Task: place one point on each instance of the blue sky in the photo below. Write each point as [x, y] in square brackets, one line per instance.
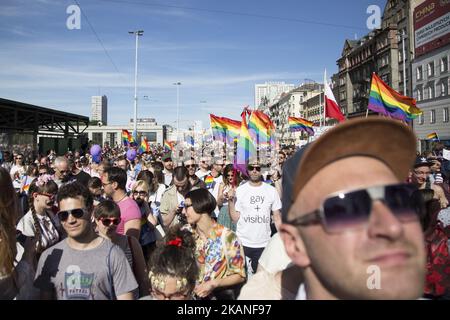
[218, 56]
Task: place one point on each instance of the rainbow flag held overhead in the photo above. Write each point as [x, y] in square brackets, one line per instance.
[300, 124]
[168, 145]
[144, 147]
[433, 137]
[127, 138]
[245, 147]
[385, 100]
[218, 128]
[261, 128]
[233, 129]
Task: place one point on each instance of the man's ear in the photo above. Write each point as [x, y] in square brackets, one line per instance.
[294, 245]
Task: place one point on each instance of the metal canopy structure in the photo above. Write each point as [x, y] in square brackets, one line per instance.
[19, 117]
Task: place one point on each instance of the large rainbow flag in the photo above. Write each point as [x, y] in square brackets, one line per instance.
[300, 124]
[144, 147]
[218, 128]
[127, 138]
[385, 100]
[245, 147]
[261, 128]
[233, 129]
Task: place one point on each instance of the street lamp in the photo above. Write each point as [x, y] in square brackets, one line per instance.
[178, 84]
[137, 34]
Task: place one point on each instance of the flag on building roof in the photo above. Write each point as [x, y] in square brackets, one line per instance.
[300, 124]
[332, 109]
[261, 128]
[385, 100]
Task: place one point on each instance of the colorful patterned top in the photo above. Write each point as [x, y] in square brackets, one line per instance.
[221, 255]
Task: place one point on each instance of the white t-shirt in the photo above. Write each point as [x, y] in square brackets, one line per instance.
[201, 174]
[255, 205]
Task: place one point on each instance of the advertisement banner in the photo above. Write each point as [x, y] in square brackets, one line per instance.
[431, 25]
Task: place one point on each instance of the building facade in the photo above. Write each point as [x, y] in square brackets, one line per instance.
[431, 76]
[267, 92]
[112, 134]
[99, 109]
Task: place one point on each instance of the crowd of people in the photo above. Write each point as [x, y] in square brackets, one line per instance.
[307, 224]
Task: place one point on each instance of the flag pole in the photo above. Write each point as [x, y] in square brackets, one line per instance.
[324, 99]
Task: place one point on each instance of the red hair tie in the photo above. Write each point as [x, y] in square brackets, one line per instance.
[176, 242]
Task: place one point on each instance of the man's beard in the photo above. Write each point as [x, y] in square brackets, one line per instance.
[140, 202]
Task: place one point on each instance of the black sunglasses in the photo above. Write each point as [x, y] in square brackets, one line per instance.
[76, 213]
[251, 168]
[191, 165]
[350, 210]
[107, 221]
[140, 193]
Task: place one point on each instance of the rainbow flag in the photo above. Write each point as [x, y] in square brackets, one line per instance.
[218, 128]
[261, 128]
[144, 146]
[168, 145]
[127, 138]
[233, 129]
[300, 124]
[209, 180]
[385, 100]
[433, 137]
[245, 147]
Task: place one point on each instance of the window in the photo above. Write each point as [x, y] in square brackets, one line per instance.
[443, 88]
[421, 119]
[432, 116]
[445, 110]
[431, 92]
[444, 64]
[419, 94]
[430, 69]
[419, 73]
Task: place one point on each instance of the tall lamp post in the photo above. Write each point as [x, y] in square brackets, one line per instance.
[137, 34]
[178, 84]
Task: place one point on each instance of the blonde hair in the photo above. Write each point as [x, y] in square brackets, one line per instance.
[141, 183]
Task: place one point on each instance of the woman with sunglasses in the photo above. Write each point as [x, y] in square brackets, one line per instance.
[228, 184]
[173, 267]
[140, 194]
[40, 220]
[107, 218]
[219, 252]
[18, 169]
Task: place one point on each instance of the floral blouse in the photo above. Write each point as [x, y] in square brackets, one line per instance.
[221, 255]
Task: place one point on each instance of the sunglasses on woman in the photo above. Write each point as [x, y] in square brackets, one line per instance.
[76, 213]
[108, 221]
[343, 211]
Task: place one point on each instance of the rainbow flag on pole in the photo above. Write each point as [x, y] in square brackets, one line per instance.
[300, 124]
[168, 145]
[127, 138]
[218, 128]
[385, 100]
[261, 128]
[433, 137]
[144, 147]
[245, 147]
[233, 129]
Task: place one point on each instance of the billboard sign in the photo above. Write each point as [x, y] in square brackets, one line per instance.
[431, 25]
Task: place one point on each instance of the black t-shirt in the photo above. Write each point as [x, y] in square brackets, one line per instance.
[81, 177]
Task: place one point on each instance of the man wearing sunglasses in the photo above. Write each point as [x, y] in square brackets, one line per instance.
[348, 219]
[252, 209]
[195, 181]
[84, 266]
[204, 168]
[168, 168]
